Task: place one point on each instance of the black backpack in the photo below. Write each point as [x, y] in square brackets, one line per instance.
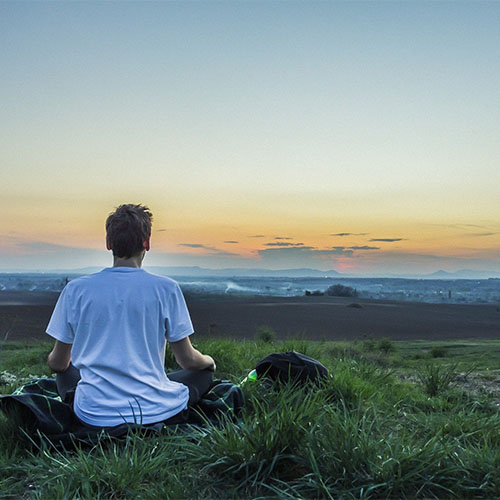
[291, 366]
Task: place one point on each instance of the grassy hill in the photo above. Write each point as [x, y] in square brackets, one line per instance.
[394, 420]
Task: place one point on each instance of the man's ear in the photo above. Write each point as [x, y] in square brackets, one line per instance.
[108, 246]
[147, 244]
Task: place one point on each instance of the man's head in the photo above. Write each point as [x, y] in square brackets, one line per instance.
[128, 230]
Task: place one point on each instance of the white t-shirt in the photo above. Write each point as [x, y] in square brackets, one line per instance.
[118, 321]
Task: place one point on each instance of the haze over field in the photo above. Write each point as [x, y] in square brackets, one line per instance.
[359, 137]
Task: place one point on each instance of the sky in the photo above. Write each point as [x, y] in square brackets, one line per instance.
[356, 136]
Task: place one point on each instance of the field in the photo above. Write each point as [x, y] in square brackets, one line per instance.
[394, 420]
[24, 315]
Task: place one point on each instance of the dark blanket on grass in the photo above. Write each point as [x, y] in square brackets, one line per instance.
[42, 415]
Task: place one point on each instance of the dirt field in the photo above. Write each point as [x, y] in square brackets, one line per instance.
[24, 316]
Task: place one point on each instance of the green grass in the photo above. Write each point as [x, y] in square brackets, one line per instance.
[392, 421]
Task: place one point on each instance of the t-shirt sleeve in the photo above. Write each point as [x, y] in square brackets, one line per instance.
[59, 325]
[177, 322]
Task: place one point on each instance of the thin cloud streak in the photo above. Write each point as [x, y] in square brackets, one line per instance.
[365, 247]
[479, 235]
[211, 250]
[388, 240]
[459, 226]
[306, 251]
[348, 234]
[195, 245]
[283, 244]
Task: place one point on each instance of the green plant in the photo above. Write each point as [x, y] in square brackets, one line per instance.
[385, 345]
[436, 378]
[266, 334]
[369, 344]
[437, 352]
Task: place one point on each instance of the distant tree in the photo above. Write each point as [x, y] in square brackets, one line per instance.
[341, 291]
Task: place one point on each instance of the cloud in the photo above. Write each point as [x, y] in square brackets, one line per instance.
[489, 230]
[283, 244]
[212, 260]
[365, 247]
[195, 245]
[211, 250]
[474, 226]
[231, 241]
[257, 236]
[160, 230]
[388, 240]
[282, 238]
[478, 235]
[17, 253]
[348, 234]
[44, 248]
[302, 256]
[223, 253]
[460, 226]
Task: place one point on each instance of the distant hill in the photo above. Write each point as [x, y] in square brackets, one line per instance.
[196, 271]
[202, 272]
[462, 274]
[231, 272]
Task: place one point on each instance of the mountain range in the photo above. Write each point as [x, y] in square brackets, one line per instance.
[196, 271]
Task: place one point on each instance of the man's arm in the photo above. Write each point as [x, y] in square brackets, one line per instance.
[60, 356]
[190, 358]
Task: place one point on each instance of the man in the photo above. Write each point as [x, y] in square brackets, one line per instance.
[111, 330]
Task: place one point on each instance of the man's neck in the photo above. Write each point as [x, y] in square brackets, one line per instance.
[134, 261]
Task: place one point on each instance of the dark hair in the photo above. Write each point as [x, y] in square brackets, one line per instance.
[127, 228]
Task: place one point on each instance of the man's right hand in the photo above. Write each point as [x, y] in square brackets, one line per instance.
[190, 358]
[212, 367]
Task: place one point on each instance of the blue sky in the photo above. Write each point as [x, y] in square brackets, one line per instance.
[230, 119]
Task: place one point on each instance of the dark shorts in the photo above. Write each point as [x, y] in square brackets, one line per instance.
[198, 383]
